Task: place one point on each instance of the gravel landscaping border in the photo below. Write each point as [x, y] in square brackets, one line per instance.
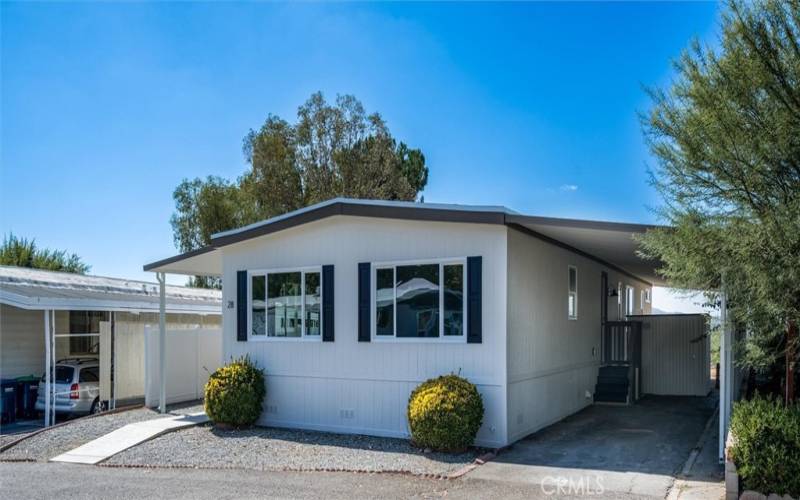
[295, 450]
[46, 443]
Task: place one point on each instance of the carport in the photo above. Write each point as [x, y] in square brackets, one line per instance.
[47, 316]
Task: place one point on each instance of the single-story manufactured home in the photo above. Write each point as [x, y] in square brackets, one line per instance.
[349, 304]
[47, 317]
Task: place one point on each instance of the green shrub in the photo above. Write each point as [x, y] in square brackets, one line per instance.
[766, 448]
[234, 393]
[445, 413]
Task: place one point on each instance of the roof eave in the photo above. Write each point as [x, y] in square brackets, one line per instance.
[74, 304]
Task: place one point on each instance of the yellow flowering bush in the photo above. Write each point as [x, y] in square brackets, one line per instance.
[445, 413]
[234, 393]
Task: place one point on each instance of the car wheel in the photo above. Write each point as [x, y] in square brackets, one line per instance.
[96, 407]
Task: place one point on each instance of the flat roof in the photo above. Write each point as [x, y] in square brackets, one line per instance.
[39, 289]
[610, 243]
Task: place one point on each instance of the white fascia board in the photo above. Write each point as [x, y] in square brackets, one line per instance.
[37, 303]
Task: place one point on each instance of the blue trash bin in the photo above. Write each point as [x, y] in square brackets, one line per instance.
[27, 392]
[8, 401]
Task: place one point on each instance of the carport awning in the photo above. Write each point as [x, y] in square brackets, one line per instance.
[609, 242]
[35, 289]
[612, 242]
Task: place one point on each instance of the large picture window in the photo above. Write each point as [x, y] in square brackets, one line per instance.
[286, 304]
[420, 300]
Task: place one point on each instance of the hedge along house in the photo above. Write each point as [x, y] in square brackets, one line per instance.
[48, 316]
[350, 304]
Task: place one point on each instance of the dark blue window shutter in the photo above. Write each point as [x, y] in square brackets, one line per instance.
[474, 301]
[327, 303]
[363, 302]
[241, 306]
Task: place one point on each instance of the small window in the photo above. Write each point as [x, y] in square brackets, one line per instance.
[572, 293]
[647, 295]
[63, 374]
[630, 295]
[89, 375]
[85, 328]
[641, 300]
[286, 304]
[420, 300]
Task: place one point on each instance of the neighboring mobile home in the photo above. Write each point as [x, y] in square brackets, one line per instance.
[83, 316]
[350, 304]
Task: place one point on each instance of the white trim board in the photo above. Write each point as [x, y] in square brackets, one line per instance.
[38, 304]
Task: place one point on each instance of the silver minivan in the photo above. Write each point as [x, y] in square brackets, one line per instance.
[77, 387]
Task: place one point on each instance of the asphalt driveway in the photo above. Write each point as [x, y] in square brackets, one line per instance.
[610, 450]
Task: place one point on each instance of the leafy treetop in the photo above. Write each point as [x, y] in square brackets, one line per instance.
[22, 252]
[726, 135]
[331, 150]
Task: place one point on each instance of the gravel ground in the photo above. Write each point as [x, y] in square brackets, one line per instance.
[267, 448]
[58, 440]
[7, 438]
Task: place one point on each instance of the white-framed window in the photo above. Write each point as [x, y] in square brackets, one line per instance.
[646, 296]
[285, 304]
[572, 292]
[641, 301]
[420, 301]
[630, 298]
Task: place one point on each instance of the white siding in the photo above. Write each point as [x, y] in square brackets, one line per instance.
[675, 355]
[310, 383]
[552, 360]
[21, 342]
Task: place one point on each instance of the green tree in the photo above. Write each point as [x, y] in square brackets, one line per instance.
[332, 150]
[205, 207]
[726, 135]
[22, 252]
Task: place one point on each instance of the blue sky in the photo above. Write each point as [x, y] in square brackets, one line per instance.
[106, 107]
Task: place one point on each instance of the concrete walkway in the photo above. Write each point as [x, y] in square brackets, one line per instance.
[126, 437]
[706, 479]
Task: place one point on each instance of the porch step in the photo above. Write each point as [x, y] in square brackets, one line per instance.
[612, 380]
[600, 397]
[612, 385]
[611, 389]
[611, 393]
[614, 371]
